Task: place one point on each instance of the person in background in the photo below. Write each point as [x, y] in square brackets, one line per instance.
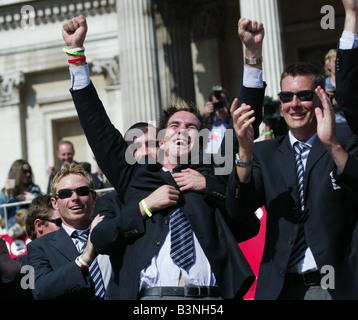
[100, 180]
[330, 84]
[19, 187]
[42, 218]
[216, 117]
[65, 153]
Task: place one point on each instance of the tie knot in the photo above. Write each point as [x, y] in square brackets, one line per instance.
[300, 147]
[83, 236]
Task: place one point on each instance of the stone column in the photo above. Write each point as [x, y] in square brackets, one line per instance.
[138, 62]
[174, 50]
[268, 12]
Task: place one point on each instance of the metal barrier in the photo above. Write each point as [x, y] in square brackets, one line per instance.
[14, 204]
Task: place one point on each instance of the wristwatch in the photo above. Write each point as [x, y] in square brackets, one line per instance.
[253, 61]
[240, 163]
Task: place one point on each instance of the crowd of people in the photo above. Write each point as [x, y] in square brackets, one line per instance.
[171, 227]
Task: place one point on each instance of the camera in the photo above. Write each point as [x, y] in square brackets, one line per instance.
[218, 104]
[271, 108]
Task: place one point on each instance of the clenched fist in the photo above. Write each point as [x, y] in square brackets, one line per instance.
[74, 32]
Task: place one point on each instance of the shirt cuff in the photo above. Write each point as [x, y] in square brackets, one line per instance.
[252, 78]
[348, 40]
[80, 77]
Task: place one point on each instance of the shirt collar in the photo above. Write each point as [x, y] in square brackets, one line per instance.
[309, 142]
[69, 230]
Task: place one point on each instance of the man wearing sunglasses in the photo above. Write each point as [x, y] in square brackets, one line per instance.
[65, 262]
[306, 180]
[42, 217]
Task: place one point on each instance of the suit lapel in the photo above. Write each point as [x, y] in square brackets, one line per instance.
[63, 243]
[316, 153]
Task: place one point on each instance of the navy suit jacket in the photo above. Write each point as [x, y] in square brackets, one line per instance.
[57, 276]
[208, 218]
[347, 85]
[331, 204]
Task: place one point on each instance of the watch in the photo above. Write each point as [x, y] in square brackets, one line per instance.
[240, 163]
[253, 61]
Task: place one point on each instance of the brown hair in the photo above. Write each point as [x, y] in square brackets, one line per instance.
[176, 107]
[40, 207]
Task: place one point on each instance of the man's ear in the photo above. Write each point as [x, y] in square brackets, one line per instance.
[161, 143]
[39, 226]
[54, 203]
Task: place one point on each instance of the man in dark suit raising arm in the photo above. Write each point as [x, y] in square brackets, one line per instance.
[306, 180]
[151, 266]
[347, 66]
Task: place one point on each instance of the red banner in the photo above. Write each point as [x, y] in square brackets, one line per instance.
[15, 246]
[253, 249]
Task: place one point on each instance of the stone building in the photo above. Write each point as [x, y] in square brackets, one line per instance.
[143, 54]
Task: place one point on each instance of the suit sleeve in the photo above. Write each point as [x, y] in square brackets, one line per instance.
[255, 98]
[121, 224]
[347, 85]
[106, 142]
[242, 201]
[67, 281]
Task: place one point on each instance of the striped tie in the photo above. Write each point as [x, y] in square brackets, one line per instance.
[94, 269]
[182, 244]
[299, 247]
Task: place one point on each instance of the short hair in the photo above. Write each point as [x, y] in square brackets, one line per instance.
[40, 207]
[176, 107]
[68, 169]
[66, 142]
[304, 69]
[141, 128]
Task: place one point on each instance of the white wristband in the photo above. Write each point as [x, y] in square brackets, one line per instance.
[81, 263]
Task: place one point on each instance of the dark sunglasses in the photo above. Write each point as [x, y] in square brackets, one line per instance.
[67, 193]
[305, 95]
[56, 221]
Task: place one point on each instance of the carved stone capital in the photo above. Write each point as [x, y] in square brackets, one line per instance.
[109, 68]
[10, 86]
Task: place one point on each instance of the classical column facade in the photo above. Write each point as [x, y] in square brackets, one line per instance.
[268, 12]
[138, 61]
[173, 27]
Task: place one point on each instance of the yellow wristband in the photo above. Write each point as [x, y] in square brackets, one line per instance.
[147, 210]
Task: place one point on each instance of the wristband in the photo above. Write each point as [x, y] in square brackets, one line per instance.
[83, 265]
[75, 52]
[268, 132]
[77, 59]
[147, 210]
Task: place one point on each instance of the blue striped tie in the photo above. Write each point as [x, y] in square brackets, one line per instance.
[94, 270]
[182, 244]
[299, 246]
